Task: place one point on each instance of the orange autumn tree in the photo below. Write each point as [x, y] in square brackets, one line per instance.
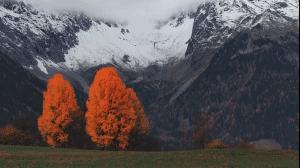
[60, 111]
[114, 111]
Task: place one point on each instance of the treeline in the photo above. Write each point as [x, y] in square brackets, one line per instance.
[115, 118]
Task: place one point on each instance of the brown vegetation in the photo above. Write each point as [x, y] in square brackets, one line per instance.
[245, 145]
[10, 135]
[216, 144]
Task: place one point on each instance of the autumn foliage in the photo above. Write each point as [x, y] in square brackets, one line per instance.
[60, 111]
[10, 135]
[114, 112]
[216, 144]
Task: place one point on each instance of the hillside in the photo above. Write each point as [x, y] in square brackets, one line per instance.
[21, 90]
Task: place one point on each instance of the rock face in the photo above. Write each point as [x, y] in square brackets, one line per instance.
[218, 21]
[234, 63]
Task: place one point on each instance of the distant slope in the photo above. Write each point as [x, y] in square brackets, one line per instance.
[250, 90]
[241, 69]
[20, 91]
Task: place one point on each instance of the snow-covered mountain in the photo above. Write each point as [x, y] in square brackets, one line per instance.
[73, 41]
[235, 61]
[218, 21]
[36, 39]
[70, 41]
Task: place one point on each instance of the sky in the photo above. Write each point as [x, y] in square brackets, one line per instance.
[138, 13]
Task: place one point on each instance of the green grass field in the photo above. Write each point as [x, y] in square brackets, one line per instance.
[40, 157]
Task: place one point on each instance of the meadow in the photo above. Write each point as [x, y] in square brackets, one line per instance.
[44, 157]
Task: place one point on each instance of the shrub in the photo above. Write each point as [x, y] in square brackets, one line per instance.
[216, 144]
[244, 145]
[10, 135]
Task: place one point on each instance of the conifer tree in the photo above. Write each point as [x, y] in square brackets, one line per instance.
[114, 111]
[60, 112]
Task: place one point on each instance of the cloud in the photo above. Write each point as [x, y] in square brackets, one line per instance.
[139, 13]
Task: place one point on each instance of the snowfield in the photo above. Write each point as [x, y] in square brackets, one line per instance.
[103, 44]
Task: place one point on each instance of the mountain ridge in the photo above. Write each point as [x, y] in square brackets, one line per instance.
[193, 66]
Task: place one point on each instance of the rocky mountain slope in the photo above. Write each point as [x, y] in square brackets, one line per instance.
[20, 91]
[253, 78]
[33, 38]
[241, 68]
[233, 61]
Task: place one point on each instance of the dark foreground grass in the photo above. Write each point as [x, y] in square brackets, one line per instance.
[41, 157]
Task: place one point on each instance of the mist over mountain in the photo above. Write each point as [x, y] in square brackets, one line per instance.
[235, 62]
[141, 14]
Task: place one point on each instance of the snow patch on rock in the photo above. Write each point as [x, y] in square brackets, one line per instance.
[41, 66]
